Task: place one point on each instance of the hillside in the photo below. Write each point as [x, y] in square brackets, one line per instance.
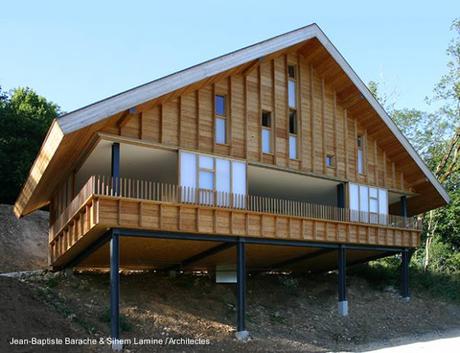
[23, 242]
[284, 314]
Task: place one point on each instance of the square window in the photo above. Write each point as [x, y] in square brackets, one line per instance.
[330, 161]
[206, 180]
[220, 105]
[221, 130]
[292, 122]
[266, 119]
[291, 71]
[206, 162]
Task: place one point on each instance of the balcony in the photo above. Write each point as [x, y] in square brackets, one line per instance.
[104, 202]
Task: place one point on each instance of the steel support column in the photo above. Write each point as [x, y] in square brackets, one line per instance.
[115, 291]
[405, 259]
[115, 169]
[342, 288]
[341, 195]
[241, 332]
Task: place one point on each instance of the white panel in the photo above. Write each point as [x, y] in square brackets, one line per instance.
[363, 198]
[373, 192]
[188, 169]
[206, 162]
[363, 203]
[360, 162]
[353, 196]
[206, 180]
[239, 177]
[222, 175]
[374, 205]
[291, 93]
[266, 137]
[221, 131]
[292, 147]
[383, 201]
[223, 181]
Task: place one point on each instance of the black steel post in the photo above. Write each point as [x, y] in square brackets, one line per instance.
[404, 212]
[241, 286]
[115, 169]
[342, 288]
[341, 195]
[405, 259]
[115, 286]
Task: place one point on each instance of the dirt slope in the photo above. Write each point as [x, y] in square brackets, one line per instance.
[23, 242]
[284, 313]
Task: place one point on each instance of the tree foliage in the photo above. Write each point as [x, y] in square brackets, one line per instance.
[24, 119]
[436, 136]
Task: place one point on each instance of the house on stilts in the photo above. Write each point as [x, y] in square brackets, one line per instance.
[275, 156]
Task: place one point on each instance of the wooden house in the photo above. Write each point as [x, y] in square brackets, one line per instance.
[273, 157]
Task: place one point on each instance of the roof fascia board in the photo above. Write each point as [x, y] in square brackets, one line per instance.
[95, 112]
[103, 109]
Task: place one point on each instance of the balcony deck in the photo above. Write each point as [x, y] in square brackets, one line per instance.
[105, 203]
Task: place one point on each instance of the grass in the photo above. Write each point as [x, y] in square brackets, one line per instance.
[383, 273]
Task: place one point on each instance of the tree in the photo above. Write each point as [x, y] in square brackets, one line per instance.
[445, 158]
[24, 119]
[436, 137]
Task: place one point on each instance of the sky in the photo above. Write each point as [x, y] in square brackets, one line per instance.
[76, 53]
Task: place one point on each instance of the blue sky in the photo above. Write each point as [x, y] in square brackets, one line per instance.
[75, 53]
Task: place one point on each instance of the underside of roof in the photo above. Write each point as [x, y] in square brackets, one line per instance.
[70, 133]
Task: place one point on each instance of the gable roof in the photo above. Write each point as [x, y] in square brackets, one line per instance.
[99, 111]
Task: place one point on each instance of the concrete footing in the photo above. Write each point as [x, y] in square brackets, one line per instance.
[343, 308]
[117, 346]
[242, 336]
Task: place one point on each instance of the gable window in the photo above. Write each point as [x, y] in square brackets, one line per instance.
[330, 161]
[220, 119]
[360, 142]
[292, 103]
[266, 132]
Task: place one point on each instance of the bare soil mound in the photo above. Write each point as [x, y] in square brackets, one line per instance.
[23, 242]
[23, 314]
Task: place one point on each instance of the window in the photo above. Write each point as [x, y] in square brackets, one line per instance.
[292, 103]
[266, 132]
[330, 161]
[293, 122]
[368, 204]
[220, 105]
[360, 166]
[220, 120]
[212, 179]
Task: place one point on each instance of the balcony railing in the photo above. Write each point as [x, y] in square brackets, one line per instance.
[163, 192]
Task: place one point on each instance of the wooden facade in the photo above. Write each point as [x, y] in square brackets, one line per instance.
[326, 127]
[178, 113]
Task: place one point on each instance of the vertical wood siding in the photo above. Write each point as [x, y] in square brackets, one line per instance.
[325, 126]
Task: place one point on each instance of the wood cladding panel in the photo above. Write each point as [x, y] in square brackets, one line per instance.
[108, 212]
[325, 124]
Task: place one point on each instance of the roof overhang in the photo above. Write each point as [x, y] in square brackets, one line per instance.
[69, 126]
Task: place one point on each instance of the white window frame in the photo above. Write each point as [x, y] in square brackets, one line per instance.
[363, 212]
[293, 139]
[222, 118]
[266, 130]
[204, 193]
